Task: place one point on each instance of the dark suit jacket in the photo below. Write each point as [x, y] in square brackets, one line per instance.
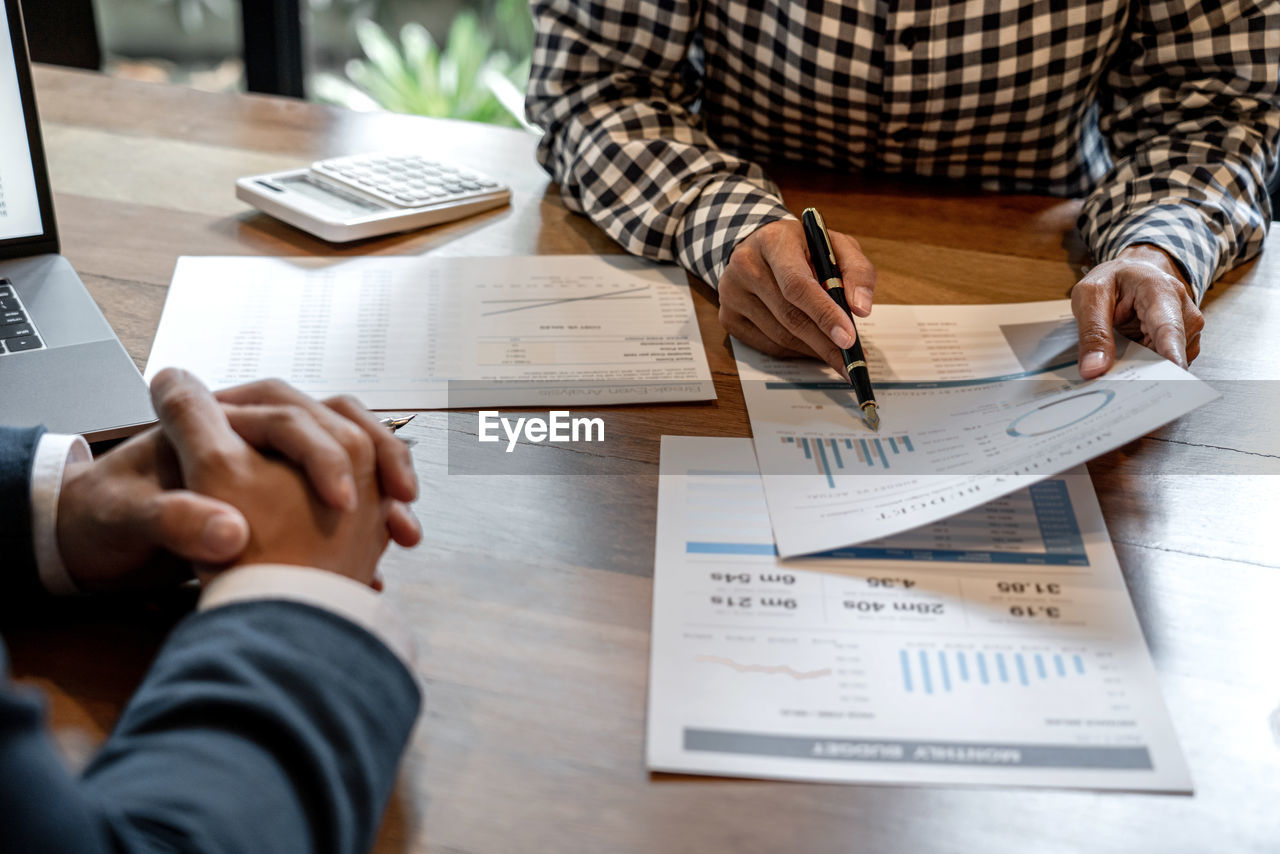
[261, 727]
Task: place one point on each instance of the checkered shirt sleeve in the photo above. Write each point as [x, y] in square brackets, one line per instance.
[1191, 112]
[614, 86]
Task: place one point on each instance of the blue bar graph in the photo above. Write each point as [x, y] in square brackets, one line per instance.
[931, 671]
[858, 454]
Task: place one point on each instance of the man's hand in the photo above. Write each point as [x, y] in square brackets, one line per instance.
[273, 414]
[1142, 293]
[125, 520]
[288, 522]
[770, 298]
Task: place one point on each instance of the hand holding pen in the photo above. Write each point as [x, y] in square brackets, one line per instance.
[823, 255]
[770, 299]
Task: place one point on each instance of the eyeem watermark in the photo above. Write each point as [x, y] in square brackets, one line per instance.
[559, 426]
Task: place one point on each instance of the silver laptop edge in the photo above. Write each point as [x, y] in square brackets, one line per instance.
[80, 380]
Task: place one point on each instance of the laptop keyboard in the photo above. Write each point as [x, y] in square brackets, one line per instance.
[17, 332]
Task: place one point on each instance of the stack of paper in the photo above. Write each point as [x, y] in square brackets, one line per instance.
[961, 617]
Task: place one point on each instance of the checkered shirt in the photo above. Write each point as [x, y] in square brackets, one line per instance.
[1164, 114]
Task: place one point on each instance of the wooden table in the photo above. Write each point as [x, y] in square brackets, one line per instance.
[534, 633]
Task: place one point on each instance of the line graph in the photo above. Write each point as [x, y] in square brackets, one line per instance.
[783, 669]
[542, 302]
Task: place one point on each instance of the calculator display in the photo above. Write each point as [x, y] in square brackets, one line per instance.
[331, 196]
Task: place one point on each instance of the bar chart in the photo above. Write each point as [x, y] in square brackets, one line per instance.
[942, 671]
[848, 455]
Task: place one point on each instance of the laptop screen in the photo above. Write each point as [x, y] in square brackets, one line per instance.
[19, 206]
[26, 207]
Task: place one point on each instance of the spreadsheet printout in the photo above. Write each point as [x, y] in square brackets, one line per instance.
[434, 333]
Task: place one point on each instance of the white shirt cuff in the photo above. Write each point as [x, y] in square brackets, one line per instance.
[53, 452]
[334, 593]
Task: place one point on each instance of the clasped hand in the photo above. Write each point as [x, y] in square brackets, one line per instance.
[256, 474]
[770, 299]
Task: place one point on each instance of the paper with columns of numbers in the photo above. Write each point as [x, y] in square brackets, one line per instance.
[976, 401]
[997, 647]
[432, 333]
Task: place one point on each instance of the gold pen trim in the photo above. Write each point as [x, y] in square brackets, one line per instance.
[826, 238]
[849, 367]
[833, 284]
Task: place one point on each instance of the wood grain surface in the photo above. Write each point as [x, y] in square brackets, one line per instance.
[530, 597]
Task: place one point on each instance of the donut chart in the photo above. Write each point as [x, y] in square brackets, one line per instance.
[1060, 414]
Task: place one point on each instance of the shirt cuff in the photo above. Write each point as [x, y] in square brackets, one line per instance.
[1175, 229]
[328, 591]
[726, 212]
[53, 452]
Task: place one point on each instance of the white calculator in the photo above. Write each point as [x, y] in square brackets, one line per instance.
[367, 195]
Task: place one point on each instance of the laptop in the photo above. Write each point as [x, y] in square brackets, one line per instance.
[61, 364]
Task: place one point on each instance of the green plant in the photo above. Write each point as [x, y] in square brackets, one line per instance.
[471, 78]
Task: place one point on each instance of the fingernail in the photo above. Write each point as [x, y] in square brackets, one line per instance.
[223, 535]
[841, 337]
[1092, 362]
[862, 302]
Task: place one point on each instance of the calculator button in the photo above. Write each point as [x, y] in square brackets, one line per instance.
[8, 303]
[17, 331]
[9, 318]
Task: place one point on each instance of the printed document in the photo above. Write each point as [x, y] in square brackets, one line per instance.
[434, 333]
[975, 402]
[999, 647]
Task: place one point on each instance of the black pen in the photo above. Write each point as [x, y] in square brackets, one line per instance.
[824, 264]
